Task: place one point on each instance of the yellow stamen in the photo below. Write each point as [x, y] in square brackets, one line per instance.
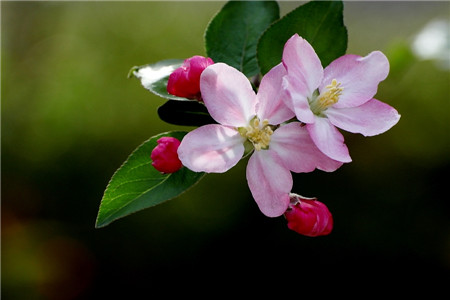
[327, 98]
[258, 134]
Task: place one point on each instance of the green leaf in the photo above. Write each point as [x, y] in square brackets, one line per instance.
[185, 113]
[319, 22]
[154, 77]
[232, 35]
[137, 184]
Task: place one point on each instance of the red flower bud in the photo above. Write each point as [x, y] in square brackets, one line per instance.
[185, 81]
[308, 216]
[165, 157]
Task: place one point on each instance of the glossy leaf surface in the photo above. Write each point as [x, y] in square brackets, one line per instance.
[154, 77]
[137, 185]
[232, 35]
[319, 22]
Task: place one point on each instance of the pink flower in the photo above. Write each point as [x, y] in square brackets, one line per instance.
[250, 121]
[341, 95]
[308, 216]
[185, 81]
[164, 155]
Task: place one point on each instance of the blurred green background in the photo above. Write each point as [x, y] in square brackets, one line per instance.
[70, 117]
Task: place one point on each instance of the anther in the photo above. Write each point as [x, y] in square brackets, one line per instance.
[258, 135]
[327, 98]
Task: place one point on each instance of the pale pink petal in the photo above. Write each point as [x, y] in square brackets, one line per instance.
[371, 118]
[270, 104]
[297, 100]
[304, 75]
[228, 95]
[328, 139]
[270, 182]
[359, 76]
[302, 64]
[298, 152]
[211, 148]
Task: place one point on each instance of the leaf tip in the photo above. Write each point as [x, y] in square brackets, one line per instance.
[99, 223]
[131, 72]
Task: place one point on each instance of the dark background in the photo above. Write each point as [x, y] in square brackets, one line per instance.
[70, 117]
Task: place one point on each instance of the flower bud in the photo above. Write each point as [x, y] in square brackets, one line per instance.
[308, 216]
[164, 155]
[185, 81]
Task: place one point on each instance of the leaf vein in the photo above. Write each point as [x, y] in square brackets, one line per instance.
[322, 21]
[138, 166]
[244, 46]
[128, 202]
[131, 181]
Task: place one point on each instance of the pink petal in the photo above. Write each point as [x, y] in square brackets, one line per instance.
[228, 95]
[304, 75]
[270, 97]
[371, 118]
[328, 139]
[297, 101]
[270, 182]
[302, 64]
[211, 148]
[359, 76]
[298, 152]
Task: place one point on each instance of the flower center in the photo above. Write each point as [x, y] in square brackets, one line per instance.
[327, 98]
[257, 133]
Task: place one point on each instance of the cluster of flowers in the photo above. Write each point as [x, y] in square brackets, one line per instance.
[290, 124]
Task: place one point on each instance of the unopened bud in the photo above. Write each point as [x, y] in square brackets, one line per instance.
[185, 81]
[308, 216]
[164, 155]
